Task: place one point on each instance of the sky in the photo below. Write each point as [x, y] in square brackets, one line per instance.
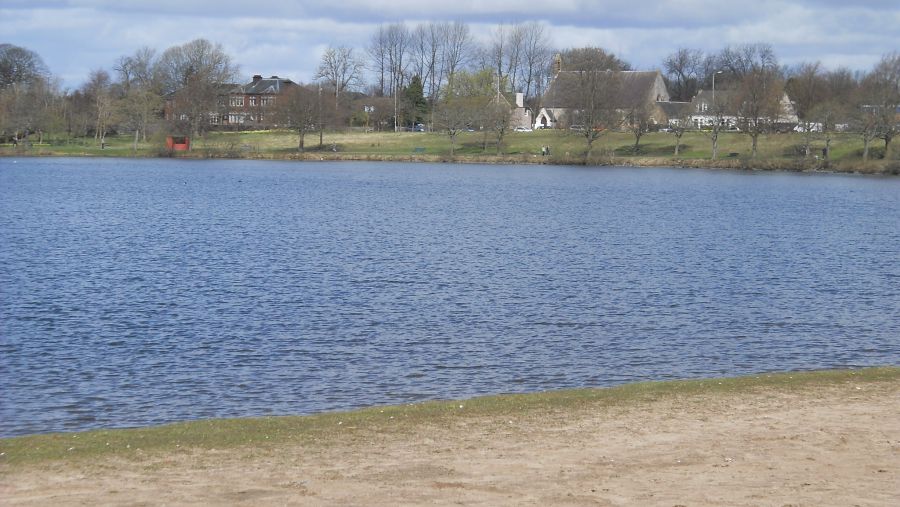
[287, 38]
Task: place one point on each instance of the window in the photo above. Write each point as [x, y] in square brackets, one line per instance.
[237, 101]
[252, 101]
[267, 101]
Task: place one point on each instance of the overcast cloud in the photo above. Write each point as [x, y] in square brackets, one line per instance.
[287, 38]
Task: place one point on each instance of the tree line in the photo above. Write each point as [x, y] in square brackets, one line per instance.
[434, 73]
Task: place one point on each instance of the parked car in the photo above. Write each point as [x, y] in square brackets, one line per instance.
[579, 128]
[522, 129]
[418, 127]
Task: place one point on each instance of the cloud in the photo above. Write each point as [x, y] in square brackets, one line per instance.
[287, 38]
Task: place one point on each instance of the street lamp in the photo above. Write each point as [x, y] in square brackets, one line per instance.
[714, 85]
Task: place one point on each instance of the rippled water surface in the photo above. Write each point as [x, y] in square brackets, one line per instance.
[141, 292]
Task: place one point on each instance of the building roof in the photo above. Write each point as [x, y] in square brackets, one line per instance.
[264, 86]
[636, 86]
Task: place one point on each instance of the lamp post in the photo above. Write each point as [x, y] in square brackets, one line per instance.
[714, 86]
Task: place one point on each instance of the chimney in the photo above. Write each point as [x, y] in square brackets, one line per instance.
[257, 78]
[520, 99]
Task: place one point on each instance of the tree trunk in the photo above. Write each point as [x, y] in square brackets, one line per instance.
[753, 144]
[300, 147]
[637, 141]
[677, 145]
[137, 133]
[887, 145]
[866, 149]
[715, 147]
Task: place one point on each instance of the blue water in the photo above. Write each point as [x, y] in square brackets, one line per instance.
[137, 292]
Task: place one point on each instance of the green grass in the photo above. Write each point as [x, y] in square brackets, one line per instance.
[329, 428]
[695, 145]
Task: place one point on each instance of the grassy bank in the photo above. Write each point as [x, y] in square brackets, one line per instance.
[332, 428]
[777, 151]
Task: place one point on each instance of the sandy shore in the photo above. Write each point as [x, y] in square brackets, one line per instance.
[819, 445]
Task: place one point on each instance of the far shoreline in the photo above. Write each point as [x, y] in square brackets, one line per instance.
[800, 166]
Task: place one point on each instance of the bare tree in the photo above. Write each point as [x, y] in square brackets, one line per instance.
[593, 95]
[679, 124]
[535, 55]
[141, 101]
[637, 121]
[760, 88]
[741, 60]
[457, 48]
[99, 89]
[455, 114]
[506, 51]
[882, 87]
[806, 88]
[684, 70]
[193, 76]
[25, 108]
[833, 113]
[298, 109]
[378, 50]
[341, 70]
[758, 103]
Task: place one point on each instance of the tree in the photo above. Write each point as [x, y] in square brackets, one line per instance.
[390, 50]
[193, 76]
[684, 70]
[833, 113]
[298, 109]
[20, 65]
[758, 103]
[806, 88]
[341, 70]
[591, 59]
[741, 60]
[535, 55]
[457, 48]
[592, 96]
[25, 108]
[757, 97]
[455, 114]
[637, 121]
[99, 89]
[462, 103]
[679, 124]
[415, 107]
[496, 117]
[141, 102]
[882, 87]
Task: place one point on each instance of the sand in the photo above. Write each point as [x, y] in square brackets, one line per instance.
[827, 445]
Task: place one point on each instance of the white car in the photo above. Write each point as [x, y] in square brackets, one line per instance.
[522, 129]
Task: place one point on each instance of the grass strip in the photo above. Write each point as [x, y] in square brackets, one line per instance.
[335, 427]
